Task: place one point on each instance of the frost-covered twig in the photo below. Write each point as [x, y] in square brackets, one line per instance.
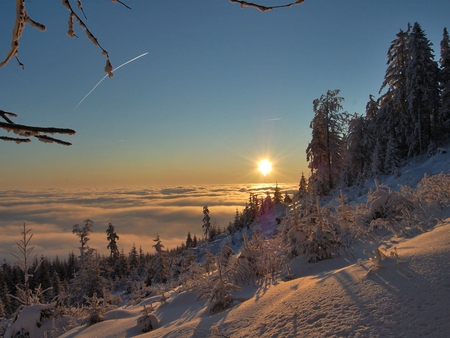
[71, 33]
[265, 8]
[22, 19]
[28, 131]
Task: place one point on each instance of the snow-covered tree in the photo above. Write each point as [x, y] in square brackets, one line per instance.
[159, 271]
[324, 152]
[25, 295]
[88, 280]
[206, 221]
[392, 117]
[83, 233]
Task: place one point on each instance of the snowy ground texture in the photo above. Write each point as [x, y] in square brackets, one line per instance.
[336, 298]
[407, 296]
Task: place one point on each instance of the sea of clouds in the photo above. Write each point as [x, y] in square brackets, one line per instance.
[138, 215]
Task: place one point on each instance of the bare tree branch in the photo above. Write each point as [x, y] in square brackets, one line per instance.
[17, 140]
[48, 139]
[120, 2]
[265, 8]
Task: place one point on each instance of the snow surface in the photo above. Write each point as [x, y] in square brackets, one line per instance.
[334, 298]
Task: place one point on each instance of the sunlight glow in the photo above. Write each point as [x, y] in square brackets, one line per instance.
[265, 167]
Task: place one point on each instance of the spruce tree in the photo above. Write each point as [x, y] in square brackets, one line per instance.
[206, 221]
[392, 117]
[133, 258]
[302, 187]
[443, 119]
[324, 152]
[277, 197]
[112, 238]
[422, 92]
[83, 233]
[189, 240]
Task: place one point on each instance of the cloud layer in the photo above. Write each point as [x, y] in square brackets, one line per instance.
[137, 215]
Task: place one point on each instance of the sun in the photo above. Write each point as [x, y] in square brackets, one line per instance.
[265, 167]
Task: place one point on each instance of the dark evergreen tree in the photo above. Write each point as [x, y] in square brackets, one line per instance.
[57, 287]
[392, 118]
[422, 89]
[189, 241]
[302, 187]
[133, 258]
[287, 198]
[2, 309]
[122, 268]
[112, 238]
[443, 119]
[277, 197]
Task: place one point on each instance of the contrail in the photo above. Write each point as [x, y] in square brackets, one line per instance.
[123, 64]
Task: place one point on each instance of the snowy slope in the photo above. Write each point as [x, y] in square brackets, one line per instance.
[409, 298]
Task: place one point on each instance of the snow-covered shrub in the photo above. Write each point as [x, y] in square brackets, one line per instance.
[226, 252]
[388, 210]
[32, 321]
[259, 258]
[96, 308]
[315, 234]
[217, 287]
[378, 255]
[148, 321]
[220, 295]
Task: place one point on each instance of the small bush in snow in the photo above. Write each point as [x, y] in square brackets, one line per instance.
[148, 320]
[31, 321]
[96, 308]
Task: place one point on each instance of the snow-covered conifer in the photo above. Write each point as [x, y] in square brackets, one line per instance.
[159, 271]
[422, 92]
[392, 117]
[206, 221]
[324, 152]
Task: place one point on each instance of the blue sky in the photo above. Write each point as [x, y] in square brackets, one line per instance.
[221, 87]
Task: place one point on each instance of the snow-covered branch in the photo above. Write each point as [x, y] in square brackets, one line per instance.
[22, 18]
[27, 131]
[71, 32]
[265, 8]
